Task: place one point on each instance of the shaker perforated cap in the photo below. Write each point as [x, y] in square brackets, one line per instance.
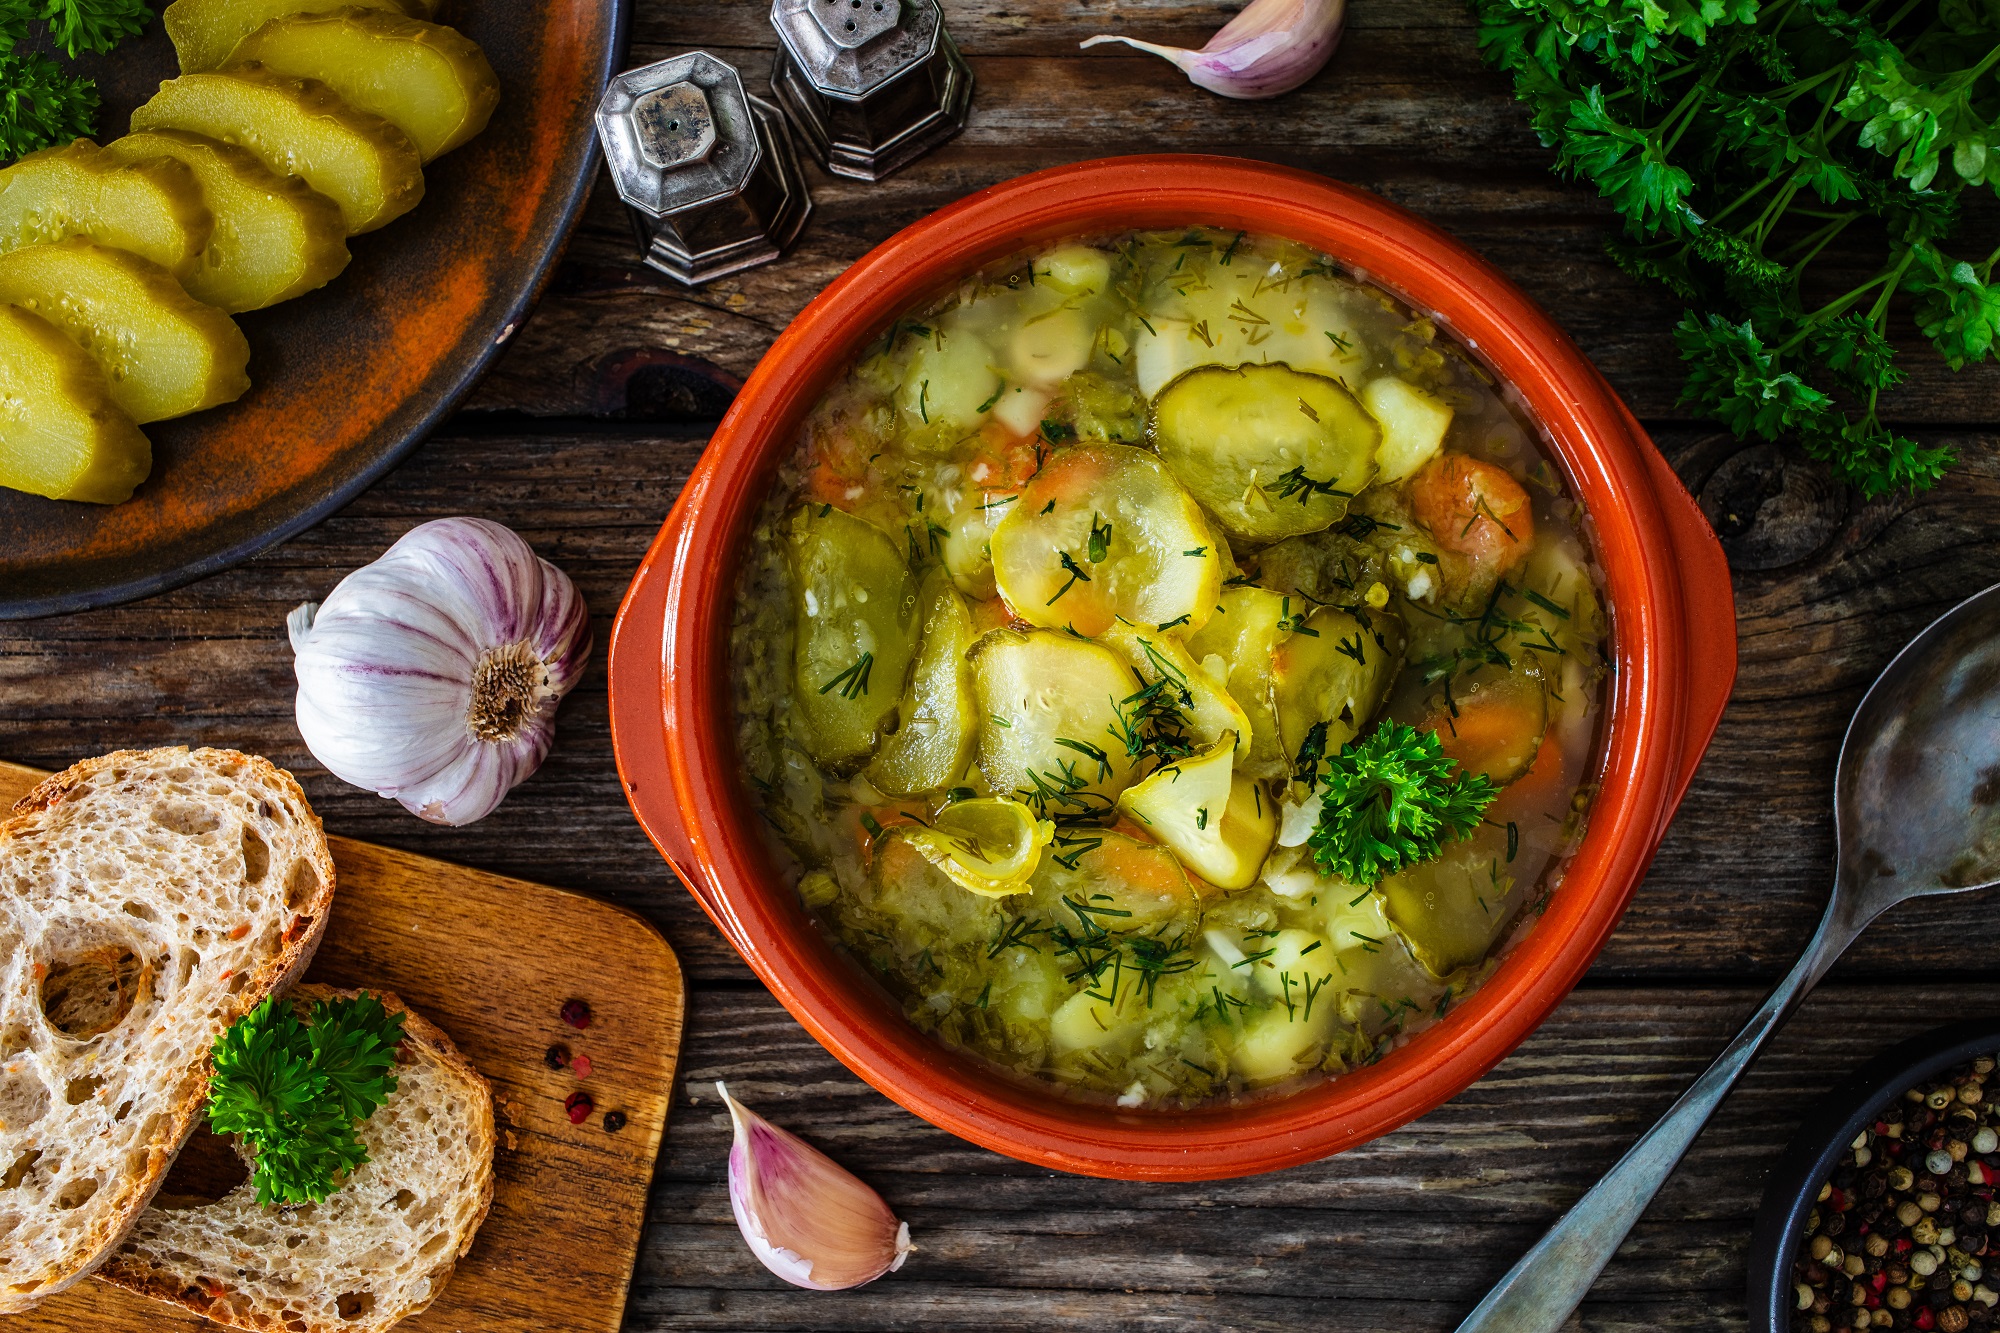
[870, 84]
[707, 171]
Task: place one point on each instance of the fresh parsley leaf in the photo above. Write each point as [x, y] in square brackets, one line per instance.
[1739, 140]
[40, 105]
[295, 1090]
[1392, 801]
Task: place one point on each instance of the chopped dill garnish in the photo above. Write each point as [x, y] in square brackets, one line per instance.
[1068, 562]
[1100, 539]
[853, 682]
[1295, 482]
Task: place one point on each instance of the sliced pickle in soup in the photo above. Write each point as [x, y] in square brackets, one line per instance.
[855, 611]
[989, 844]
[1413, 425]
[922, 908]
[1494, 720]
[1049, 720]
[1334, 669]
[1234, 315]
[1244, 634]
[1271, 452]
[1451, 911]
[1160, 660]
[932, 743]
[1104, 531]
[1096, 881]
[1220, 823]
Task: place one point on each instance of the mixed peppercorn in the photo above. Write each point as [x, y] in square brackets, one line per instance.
[1899, 1235]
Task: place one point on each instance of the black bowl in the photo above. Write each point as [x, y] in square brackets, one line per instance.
[1825, 1136]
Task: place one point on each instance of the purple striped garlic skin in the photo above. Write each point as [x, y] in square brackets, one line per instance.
[804, 1216]
[1269, 48]
[432, 676]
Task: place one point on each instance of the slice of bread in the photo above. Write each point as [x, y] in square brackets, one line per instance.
[147, 899]
[377, 1250]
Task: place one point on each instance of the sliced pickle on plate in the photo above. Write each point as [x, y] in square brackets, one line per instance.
[164, 353]
[1050, 725]
[61, 435]
[429, 81]
[1166, 668]
[1451, 911]
[1244, 634]
[298, 127]
[153, 208]
[855, 615]
[1104, 531]
[1270, 451]
[204, 32]
[275, 236]
[989, 844]
[1333, 669]
[932, 743]
[1220, 823]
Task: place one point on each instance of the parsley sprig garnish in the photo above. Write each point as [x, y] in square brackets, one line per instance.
[1391, 801]
[40, 102]
[1740, 140]
[295, 1090]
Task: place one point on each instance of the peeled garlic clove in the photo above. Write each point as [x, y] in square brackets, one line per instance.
[1271, 47]
[806, 1219]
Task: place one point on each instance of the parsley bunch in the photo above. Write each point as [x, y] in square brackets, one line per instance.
[41, 103]
[295, 1090]
[1739, 139]
[1390, 802]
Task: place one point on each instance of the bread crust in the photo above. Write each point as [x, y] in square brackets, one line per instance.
[184, 1103]
[419, 1034]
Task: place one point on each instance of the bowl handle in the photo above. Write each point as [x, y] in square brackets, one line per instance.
[639, 645]
[1708, 611]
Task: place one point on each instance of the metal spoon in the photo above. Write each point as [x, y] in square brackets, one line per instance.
[1916, 813]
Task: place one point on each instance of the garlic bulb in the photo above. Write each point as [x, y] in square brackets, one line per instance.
[806, 1219]
[1271, 47]
[432, 676]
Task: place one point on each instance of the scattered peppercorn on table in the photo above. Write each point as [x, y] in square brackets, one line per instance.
[579, 439]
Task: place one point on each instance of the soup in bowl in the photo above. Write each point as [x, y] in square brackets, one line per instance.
[971, 506]
[1169, 666]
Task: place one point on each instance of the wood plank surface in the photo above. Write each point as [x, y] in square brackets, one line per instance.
[491, 961]
[581, 436]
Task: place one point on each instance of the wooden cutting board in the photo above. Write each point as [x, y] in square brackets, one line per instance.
[491, 961]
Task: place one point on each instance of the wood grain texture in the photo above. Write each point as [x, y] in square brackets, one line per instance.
[491, 961]
[580, 439]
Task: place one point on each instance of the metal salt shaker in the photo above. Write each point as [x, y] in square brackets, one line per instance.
[871, 85]
[708, 172]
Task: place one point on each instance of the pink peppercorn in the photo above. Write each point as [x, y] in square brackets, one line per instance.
[580, 1066]
[579, 1106]
[575, 1013]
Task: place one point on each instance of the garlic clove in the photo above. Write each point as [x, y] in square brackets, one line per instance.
[1270, 48]
[807, 1219]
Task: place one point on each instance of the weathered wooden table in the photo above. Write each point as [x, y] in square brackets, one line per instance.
[581, 437]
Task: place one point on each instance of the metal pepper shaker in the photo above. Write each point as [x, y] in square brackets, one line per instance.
[708, 172]
[871, 85]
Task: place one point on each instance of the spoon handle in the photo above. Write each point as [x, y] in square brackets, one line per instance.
[1538, 1293]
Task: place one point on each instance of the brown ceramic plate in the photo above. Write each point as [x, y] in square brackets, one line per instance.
[348, 379]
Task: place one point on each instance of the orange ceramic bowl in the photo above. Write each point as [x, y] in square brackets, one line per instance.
[1673, 637]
